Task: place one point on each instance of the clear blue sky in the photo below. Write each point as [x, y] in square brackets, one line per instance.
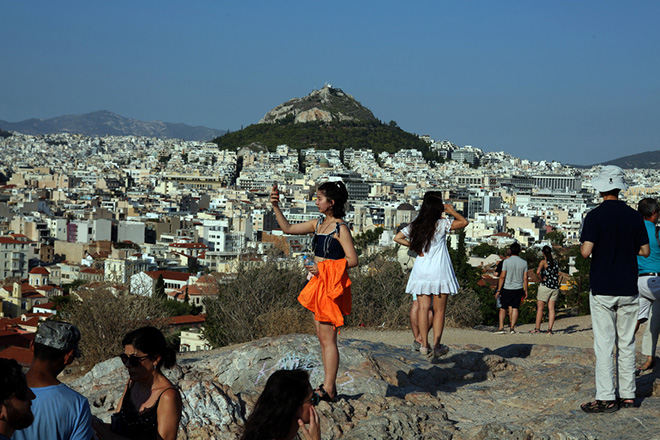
[574, 81]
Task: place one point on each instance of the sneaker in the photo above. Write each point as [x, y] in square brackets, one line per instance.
[424, 351]
[440, 351]
[511, 331]
[416, 346]
[500, 332]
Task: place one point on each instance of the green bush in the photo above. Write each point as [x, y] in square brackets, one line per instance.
[527, 312]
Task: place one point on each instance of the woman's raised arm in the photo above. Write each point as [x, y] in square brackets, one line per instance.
[307, 227]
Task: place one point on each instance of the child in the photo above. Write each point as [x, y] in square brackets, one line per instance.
[334, 254]
[432, 278]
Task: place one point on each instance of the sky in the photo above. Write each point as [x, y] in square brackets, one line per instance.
[572, 81]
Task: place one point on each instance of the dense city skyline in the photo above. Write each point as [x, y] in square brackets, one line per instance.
[569, 82]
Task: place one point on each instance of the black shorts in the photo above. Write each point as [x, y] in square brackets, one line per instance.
[511, 298]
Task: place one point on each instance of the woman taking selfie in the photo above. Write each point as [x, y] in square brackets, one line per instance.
[328, 293]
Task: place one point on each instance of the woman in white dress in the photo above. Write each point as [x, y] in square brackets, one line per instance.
[432, 279]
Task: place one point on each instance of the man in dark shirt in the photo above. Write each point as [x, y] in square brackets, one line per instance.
[613, 234]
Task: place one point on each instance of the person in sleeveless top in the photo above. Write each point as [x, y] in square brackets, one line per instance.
[334, 250]
[150, 407]
[283, 409]
[548, 292]
[432, 278]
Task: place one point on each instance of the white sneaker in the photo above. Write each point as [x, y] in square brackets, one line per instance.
[424, 350]
[500, 332]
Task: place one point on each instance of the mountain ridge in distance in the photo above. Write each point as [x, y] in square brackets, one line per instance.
[106, 123]
[647, 159]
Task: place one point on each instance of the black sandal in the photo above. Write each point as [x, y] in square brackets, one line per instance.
[626, 403]
[600, 406]
[323, 394]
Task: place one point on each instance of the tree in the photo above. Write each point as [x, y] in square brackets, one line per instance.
[579, 293]
[555, 237]
[259, 302]
[362, 241]
[178, 308]
[379, 297]
[104, 319]
[484, 249]
[469, 278]
[159, 290]
[73, 286]
[533, 257]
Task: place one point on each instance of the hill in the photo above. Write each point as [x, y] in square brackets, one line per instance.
[649, 159]
[105, 123]
[324, 119]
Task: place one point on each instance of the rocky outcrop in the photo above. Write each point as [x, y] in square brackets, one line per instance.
[325, 105]
[520, 391]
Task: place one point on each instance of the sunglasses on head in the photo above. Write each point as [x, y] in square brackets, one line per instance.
[132, 360]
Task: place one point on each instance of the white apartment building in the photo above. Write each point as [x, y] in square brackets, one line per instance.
[132, 231]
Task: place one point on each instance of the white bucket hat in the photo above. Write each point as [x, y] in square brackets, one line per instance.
[609, 178]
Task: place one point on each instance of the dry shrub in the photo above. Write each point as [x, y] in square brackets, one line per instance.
[285, 321]
[254, 305]
[104, 319]
[379, 297]
[463, 309]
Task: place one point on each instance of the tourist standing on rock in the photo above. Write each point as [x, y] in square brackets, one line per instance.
[613, 234]
[648, 284]
[512, 288]
[59, 412]
[432, 278]
[150, 407]
[284, 407]
[548, 292]
[15, 399]
[327, 293]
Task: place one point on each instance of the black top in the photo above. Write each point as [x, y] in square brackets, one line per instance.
[550, 275]
[617, 232]
[326, 245]
[142, 425]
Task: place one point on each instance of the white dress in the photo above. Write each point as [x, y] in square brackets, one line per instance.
[433, 272]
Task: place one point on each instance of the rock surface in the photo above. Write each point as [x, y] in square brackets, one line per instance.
[324, 105]
[519, 391]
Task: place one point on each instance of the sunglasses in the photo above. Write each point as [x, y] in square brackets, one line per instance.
[315, 399]
[132, 360]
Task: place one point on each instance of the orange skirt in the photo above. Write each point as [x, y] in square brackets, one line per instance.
[328, 294]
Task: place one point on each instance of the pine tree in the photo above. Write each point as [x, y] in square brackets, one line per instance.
[159, 292]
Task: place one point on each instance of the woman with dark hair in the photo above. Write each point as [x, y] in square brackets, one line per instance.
[150, 407]
[327, 293]
[548, 271]
[432, 275]
[285, 406]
